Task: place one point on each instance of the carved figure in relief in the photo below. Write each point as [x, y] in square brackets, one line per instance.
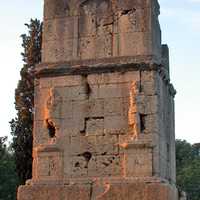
[53, 112]
[96, 27]
[53, 104]
[133, 114]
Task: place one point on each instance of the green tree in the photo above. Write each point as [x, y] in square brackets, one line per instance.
[22, 125]
[8, 176]
[188, 169]
[184, 154]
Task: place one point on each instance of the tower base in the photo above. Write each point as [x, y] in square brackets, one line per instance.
[100, 190]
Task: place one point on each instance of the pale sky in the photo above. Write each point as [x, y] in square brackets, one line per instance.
[180, 23]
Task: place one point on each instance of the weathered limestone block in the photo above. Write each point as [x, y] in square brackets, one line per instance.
[132, 20]
[105, 45]
[87, 44]
[59, 27]
[95, 126]
[110, 90]
[104, 24]
[66, 81]
[107, 145]
[72, 93]
[138, 162]
[108, 166]
[116, 125]
[114, 90]
[71, 127]
[53, 9]
[133, 44]
[96, 108]
[40, 99]
[111, 78]
[56, 52]
[79, 113]
[67, 110]
[45, 83]
[40, 133]
[88, 144]
[100, 189]
[82, 144]
[151, 124]
[147, 104]
[114, 106]
[54, 192]
[79, 167]
[48, 163]
[53, 105]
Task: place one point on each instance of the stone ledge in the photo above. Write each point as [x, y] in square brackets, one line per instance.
[47, 70]
[100, 190]
[86, 70]
[106, 65]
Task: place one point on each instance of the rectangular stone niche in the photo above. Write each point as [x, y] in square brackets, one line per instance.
[49, 163]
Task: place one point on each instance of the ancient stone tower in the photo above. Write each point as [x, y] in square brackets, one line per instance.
[104, 108]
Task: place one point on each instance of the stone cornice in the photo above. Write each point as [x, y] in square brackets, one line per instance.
[62, 70]
[103, 66]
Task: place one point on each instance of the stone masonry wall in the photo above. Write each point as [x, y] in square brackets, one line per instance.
[73, 29]
[105, 125]
[104, 108]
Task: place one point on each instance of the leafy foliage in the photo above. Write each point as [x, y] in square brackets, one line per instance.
[22, 125]
[188, 169]
[8, 177]
[184, 153]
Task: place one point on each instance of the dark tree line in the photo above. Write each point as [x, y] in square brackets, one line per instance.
[188, 169]
[8, 176]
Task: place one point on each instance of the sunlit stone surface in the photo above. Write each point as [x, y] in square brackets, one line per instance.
[104, 108]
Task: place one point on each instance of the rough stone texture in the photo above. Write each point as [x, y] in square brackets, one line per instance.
[99, 190]
[99, 115]
[106, 125]
[104, 105]
[73, 29]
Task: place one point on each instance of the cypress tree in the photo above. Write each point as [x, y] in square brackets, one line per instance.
[22, 125]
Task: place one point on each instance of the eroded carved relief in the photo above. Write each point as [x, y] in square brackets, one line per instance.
[49, 163]
[53, 104]
[133, 114]
[99, 29]
[95, 29]
[53, 112]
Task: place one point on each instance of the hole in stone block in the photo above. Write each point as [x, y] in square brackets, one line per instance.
[77, 164]
[96, 120]
[168, 152]
[86, 85]
[127, 11]
[87, 156]
[105, 164]
[87, 89]
[51, 128]
[83, 132]
[142, 123]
